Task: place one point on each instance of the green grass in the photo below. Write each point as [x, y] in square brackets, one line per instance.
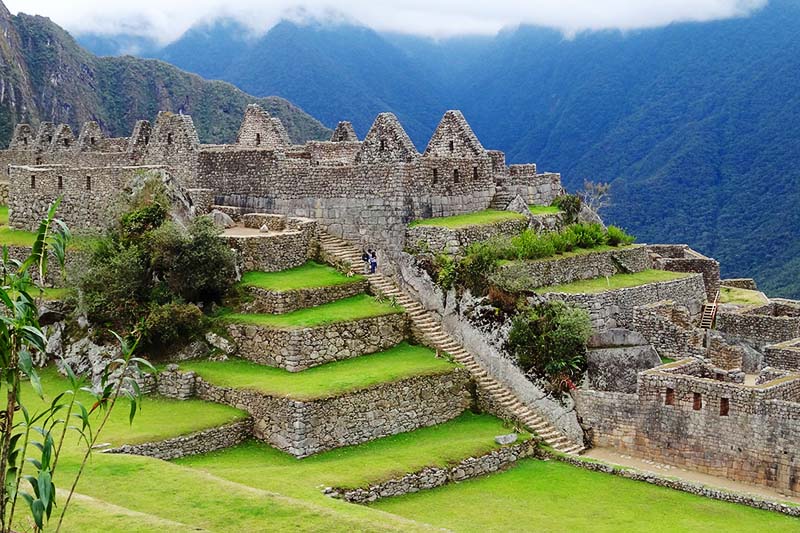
[488, 216]
[544, 209]
[355, 466]
[618, 281]
[549, 496]
[667, 360]
[345, 310]
[307, 276]
[734, 295]
[328, 380]
[16, 237]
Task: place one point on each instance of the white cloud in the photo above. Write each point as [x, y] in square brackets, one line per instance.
[165, 20]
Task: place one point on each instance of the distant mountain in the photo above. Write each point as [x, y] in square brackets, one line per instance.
[696, 124]
[46, 75]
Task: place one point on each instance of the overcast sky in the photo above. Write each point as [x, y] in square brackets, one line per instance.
[166, 20]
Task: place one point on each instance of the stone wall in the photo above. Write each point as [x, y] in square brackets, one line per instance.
[436, 239]
[784, 356]
[758, 324]
[301, 348]
[432, 477]
[745, 433]
[529, 275]
[303, 428]
[273, 252]
[87, 194]
[278, 302]
[616, 308]
[206, 441]
[669, 328]
[681, 258]
[4, 188]
[740, 283]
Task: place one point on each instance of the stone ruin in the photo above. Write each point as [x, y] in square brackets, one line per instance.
[365, 191]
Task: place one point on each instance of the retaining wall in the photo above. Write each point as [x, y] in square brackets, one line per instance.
[278, 302]
[274, 252]
[783, 356]
[521, 276]
[435, 239]
[303, 428]
[301, 348]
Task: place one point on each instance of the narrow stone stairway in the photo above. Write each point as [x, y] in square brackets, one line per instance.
[432, 332]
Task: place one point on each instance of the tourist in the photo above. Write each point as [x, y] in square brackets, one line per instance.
[373, 263]
[365, 259]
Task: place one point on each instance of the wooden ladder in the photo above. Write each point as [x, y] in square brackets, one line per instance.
[709, 313]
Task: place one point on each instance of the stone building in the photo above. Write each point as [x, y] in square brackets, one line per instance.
[366, 191]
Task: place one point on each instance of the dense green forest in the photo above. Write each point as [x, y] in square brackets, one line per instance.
[48, 76]
[696, 124]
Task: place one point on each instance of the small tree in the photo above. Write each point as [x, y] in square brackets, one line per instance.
[596, 196]
[550, 339]
[30, 448]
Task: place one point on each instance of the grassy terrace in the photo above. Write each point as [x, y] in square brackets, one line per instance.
[544, 209]
[345, 310]
[16, 237]
[480, 218]
[618, 281]
[734, 295]
[308, 276]
[355, 466]
[328, 380]
[549, 496]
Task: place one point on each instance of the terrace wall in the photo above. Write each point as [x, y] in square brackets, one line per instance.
[436, 239]
[681, 258]
[273, 252]
[748, 434]
[303, 428]
[278, 302]
[759, 324]
[616, 308]
[301, 348]
[784, 356]
[530, 275]
[669, 328]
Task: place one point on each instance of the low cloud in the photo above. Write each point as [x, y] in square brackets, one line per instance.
[165, 21]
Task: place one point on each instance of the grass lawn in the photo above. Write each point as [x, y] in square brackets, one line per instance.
[332, 379]
[544, 209]
[734, 295]
[355, 466]
[16, 237]
[548, 496]
[307, 276]
[618, 281]
[487, 216]
[345, 310]
[120, 493]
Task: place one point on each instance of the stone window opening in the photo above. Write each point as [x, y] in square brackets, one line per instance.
[669, 398]
[33, 182]
[452, 146]
[383, 145]
[146, 139]
[92, 141]
[25, 141]
[169, 138]
[38, 160]
[474, 172]
[49, 139]
[455, 176]
[724, 406]
[88, 183]
[66, 143]
[60, 182]
[435, 176]
[697, 401]
[258, 139]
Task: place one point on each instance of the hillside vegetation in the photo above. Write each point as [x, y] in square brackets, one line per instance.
[696, 124]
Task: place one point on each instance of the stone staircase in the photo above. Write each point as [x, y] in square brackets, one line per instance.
[502, 197]
[431, 331]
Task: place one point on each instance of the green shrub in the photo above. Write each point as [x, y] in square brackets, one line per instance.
[136, 223]
[586, 235]
[478, 263]
[570, 205]
[446, 271]
[618, 236]
[530, 245]
[172, 323]
[549, 340]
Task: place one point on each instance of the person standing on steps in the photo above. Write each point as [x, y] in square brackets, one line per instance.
[365, 259]
[373, 262]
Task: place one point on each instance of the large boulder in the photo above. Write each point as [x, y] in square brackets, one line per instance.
[181, 204]
[615, 358]
[221, 220]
